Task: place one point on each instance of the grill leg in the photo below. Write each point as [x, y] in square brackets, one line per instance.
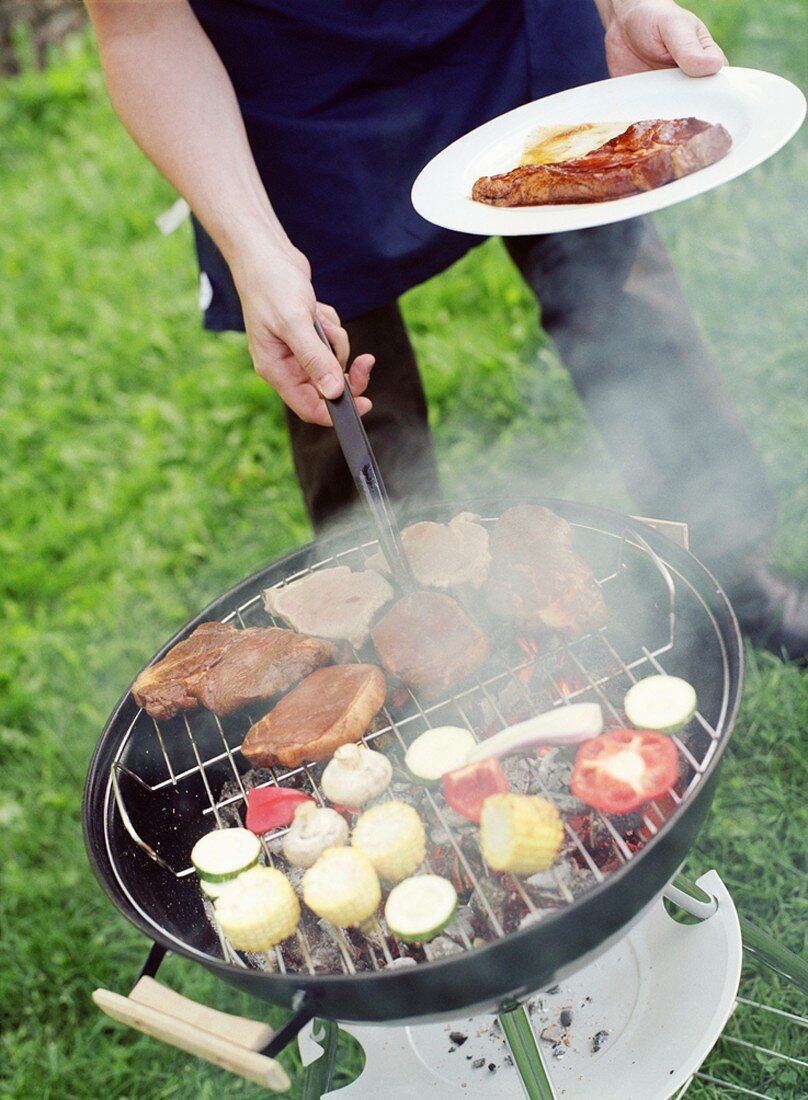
[527, 1057]
[304, 1010]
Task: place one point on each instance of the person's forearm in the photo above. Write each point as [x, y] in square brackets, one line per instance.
[174, 96]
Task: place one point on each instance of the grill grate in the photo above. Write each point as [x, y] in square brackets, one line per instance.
[522, 680]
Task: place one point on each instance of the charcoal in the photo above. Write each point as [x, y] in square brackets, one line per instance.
[496, 896]
[559, 880]
[442, 947]
[458, 1038]
[401, 963]
[463, 921]
[565, 1017]
[520, 774]
[326, 957]
[295, 876]
[598, 1039]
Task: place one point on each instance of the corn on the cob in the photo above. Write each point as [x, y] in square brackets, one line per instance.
[342, 887]
[258, 909]
[392, 837]
[520, 833]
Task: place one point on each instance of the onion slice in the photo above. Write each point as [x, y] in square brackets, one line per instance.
[563, 725]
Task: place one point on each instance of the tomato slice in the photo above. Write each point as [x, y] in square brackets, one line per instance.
[621, 770]
[467, 788]
[270, 807]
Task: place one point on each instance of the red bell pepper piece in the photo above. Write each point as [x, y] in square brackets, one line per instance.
[271, 807]
[466, 788]
[621, 770]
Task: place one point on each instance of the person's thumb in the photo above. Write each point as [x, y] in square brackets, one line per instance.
[317, 360]
[691, 45]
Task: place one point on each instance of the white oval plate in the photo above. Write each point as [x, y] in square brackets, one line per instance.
[760, 110]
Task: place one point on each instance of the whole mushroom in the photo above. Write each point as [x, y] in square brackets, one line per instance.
[355, 775]
[312, 831]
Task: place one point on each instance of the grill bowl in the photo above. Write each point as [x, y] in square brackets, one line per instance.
[666, 611]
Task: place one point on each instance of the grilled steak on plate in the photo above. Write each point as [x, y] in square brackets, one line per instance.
[647, 155]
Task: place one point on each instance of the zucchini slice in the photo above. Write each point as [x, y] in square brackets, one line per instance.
[213, 890]
[225, 853]
[661, 703]
[420, 907]
[437, 751]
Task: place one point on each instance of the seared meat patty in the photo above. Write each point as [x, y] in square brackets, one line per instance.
[224, 668]
[329, 708]
[536, 578]
[428, 642]
[331, 603]
[647, 155]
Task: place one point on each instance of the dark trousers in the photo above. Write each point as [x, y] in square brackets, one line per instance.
[612, 304]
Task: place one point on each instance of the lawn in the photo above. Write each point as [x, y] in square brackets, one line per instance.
[144, 468]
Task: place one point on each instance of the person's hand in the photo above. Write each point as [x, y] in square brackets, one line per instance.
[658, 34]
[279, 305]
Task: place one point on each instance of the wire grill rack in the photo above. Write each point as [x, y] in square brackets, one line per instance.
[200, 751]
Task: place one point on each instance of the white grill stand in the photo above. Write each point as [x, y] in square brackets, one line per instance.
[661, 995]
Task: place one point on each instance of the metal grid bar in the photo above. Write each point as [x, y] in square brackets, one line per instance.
[590, 683]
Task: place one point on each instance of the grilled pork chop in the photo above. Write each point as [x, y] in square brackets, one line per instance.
[536, 578]
[224, 669]
[331, 603]
[259, 664]
[428, 642]
[647, 155]
[443, 555]
[167, 687]
[329, 708]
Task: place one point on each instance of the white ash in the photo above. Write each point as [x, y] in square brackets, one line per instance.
[496, 896]
[520, 774]
[275, 844]
[295, 877]
[326, 957]
[401, 963]
[559, 879]
[531, 918]
[442, 947]
[463, 922]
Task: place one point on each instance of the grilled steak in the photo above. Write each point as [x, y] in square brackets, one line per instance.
[428, 642]
[647, 155]
[223, 669]
[536, 578]
[166, 688]
[331, 603]
[329, 708]
[258, 664]
[442, 555]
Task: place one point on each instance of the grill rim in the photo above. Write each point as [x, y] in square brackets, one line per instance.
[344, 988]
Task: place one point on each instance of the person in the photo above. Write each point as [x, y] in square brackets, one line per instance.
[294, 130]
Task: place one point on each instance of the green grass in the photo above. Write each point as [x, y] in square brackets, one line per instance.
[144, 468]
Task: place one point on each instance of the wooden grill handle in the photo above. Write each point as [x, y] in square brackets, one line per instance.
[231, 1042]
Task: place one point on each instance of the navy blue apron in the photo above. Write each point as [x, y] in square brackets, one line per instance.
[345, 101]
